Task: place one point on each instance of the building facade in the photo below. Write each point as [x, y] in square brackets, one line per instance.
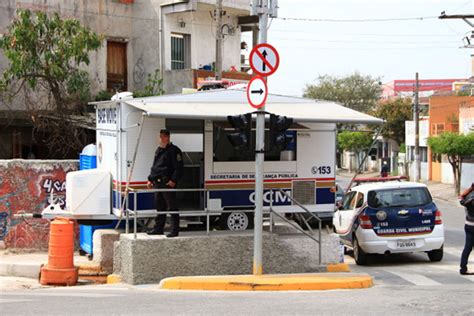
[140, 36]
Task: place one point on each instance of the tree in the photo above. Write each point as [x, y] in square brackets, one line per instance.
[456, 147]
[45, 55]
[356, 142]
[355, 91]
[395, 113]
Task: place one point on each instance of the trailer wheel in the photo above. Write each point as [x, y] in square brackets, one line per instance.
[236, 221]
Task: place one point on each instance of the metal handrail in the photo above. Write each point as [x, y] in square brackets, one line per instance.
[208, 212]
[319, 240]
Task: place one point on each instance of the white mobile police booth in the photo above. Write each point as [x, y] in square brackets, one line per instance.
[127, 137]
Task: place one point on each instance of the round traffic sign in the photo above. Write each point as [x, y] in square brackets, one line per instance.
[264, 59]
[257, 92]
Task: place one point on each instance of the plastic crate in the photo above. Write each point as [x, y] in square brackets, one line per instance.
[87, 162]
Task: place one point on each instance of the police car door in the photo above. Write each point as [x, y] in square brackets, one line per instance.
[343, 217]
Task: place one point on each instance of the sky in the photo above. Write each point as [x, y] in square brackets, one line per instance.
[389, 50]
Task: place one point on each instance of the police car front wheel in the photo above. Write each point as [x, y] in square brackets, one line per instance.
[360, 256]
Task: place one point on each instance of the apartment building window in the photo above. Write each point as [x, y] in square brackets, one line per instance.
[180, 51]
[437, 128]
[424, 154]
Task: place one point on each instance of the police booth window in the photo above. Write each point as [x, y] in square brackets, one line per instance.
[235, 140]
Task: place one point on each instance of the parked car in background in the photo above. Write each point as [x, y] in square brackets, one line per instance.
[390, 217]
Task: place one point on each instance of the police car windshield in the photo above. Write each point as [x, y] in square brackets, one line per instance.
[405, 197]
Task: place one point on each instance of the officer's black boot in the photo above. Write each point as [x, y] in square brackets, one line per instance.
[159, 225]
[174, 225]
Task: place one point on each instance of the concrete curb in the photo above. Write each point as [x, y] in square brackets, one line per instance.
[275, 282]
[32, 270]
[339, 267]
[114, 279]
[23, 270]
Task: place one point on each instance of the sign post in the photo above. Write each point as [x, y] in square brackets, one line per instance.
[264, 61]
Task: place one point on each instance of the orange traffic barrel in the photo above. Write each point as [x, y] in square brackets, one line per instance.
[60, 269]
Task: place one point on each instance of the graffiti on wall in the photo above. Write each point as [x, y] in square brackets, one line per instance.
[26, 187]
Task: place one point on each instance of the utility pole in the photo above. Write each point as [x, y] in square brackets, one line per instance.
[466, 18]
[218, 40]
[416, 118]
[260, 7]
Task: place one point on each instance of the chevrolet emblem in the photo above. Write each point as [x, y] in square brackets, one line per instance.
[403, 212]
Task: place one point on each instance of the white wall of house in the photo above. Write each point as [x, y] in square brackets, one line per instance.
[467, 174]
[410, 132]
[201, 28]
[410, 144]
[423, 171]
[446, 173]
[467, 177]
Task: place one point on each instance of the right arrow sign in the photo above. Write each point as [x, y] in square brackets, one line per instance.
[257, 92]
[264, 59]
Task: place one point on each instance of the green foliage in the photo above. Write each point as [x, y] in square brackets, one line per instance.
[355, 91]
[103, 95]
[45, 55]
[354, 141]
[403, 148]
[394, 113]
[456, 147]
[48, 51]
[452, 144]
[153, 87]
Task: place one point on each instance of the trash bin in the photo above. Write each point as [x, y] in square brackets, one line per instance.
[88, 157]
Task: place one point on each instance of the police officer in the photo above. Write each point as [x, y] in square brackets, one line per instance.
[165, 172]
[467, 200]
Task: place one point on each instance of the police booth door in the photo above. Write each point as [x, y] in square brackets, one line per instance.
[188, 135]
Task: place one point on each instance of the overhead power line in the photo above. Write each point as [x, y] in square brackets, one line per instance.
[364, 34]
[421, 18]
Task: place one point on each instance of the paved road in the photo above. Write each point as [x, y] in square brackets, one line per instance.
[404, 284]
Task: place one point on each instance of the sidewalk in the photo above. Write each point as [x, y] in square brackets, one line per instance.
[27, 265]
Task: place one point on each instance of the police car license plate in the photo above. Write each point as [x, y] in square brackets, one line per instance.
[402, 244]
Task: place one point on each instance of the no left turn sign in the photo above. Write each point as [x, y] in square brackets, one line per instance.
[264, 59]
[257, 92]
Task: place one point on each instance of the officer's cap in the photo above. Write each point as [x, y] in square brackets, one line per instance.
[165, 132]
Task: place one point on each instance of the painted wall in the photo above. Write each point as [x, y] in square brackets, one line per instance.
[466, 118]
[467, 174]
[467, 177]
[25, 186]
[444, 110]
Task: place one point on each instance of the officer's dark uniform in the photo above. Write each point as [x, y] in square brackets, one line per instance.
[167, 165]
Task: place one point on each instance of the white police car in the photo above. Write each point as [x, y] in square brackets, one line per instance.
[390, 217]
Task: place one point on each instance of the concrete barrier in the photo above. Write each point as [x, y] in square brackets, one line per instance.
[149, 259]
[103, 248]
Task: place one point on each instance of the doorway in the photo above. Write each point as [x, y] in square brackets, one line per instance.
[116, 66]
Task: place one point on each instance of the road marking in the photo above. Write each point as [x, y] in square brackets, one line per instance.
[14, 300]
[453, 251]
[69, 294]
[416, 279]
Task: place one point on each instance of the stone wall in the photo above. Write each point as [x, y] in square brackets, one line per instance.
[149, 259]
[26, 186]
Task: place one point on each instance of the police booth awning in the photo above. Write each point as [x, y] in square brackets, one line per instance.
[218, 104]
